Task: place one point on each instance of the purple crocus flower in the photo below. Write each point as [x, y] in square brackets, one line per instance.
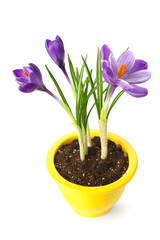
[29, 78]
[126, 72]
[56, 51]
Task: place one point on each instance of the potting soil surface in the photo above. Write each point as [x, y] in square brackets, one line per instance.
[93, 171]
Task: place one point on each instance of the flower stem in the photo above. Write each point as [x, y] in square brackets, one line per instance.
[103, 124]
[89, 142]
[104, 109]
[103, 138]
[69, 81]
[81, 142]
[81, 137]
[85, 140]
[63, 105]
[66, 75]
[51, 94]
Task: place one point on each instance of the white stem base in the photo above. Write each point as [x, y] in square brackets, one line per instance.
[103, 138]
[89, 143]
[81, 142]
[85, 144]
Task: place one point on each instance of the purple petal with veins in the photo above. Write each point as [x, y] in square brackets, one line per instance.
[27, 88]
[138, 65]
[56, 51]
[105, 52]
[132, 89]
[36, 70]
[107, 79]
[138, 77]
[137, 91]
[22, 80]
[29, 78]
[126, 58]
[18, 73]
[113, 64]
[126, 72]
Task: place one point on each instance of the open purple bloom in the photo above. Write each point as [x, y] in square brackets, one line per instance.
[29, 78]
[56, 51]
[126, 72]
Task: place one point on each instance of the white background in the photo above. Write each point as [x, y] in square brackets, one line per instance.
[31, 206]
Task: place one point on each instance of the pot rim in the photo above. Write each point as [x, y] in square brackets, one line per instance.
[126, 147]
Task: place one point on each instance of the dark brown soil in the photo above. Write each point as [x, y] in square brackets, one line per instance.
[93, 171]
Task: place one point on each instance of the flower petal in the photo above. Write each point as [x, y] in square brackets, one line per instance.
[126, 58]
[27, 70]
[105, 52]
[107, 73]
[107, 78]
[22, 80]
[113, 64]
[137, 91]
[138, 77]
[59, 48]
[107, 69]
[36, 70]
[18, 73]
[123, 84]
[27, 88]
[138, 65]
[47, 43]
[34, 78]
[56, 52]
[59, 39]
[132, 89]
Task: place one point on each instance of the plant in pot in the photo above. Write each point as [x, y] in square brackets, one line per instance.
[91, 167]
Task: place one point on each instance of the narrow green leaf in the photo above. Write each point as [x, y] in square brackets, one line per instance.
[99, 81]
[107, 91]
[82, 68]
[114, 101]
[58, 88]
[73, 75]
[87, 97]
[90, 112]
[78, 99]
[92, 86]
[86, 84]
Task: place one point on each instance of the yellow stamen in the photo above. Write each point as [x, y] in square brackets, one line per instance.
[24, 74]
[121, 71]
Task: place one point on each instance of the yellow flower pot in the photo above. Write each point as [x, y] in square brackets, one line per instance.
[92, 201]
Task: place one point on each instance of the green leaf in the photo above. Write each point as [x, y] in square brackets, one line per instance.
[88, 96]
[114, 101]
[99, 81]
[86, 84]
[92, 86]
[58, 88]
[78, 99]
[90, 112]
[73, 75]
[82, 68]
[107, 91]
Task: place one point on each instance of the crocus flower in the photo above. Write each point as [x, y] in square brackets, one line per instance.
[56, 51]
[126, 72]
[29, 78]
